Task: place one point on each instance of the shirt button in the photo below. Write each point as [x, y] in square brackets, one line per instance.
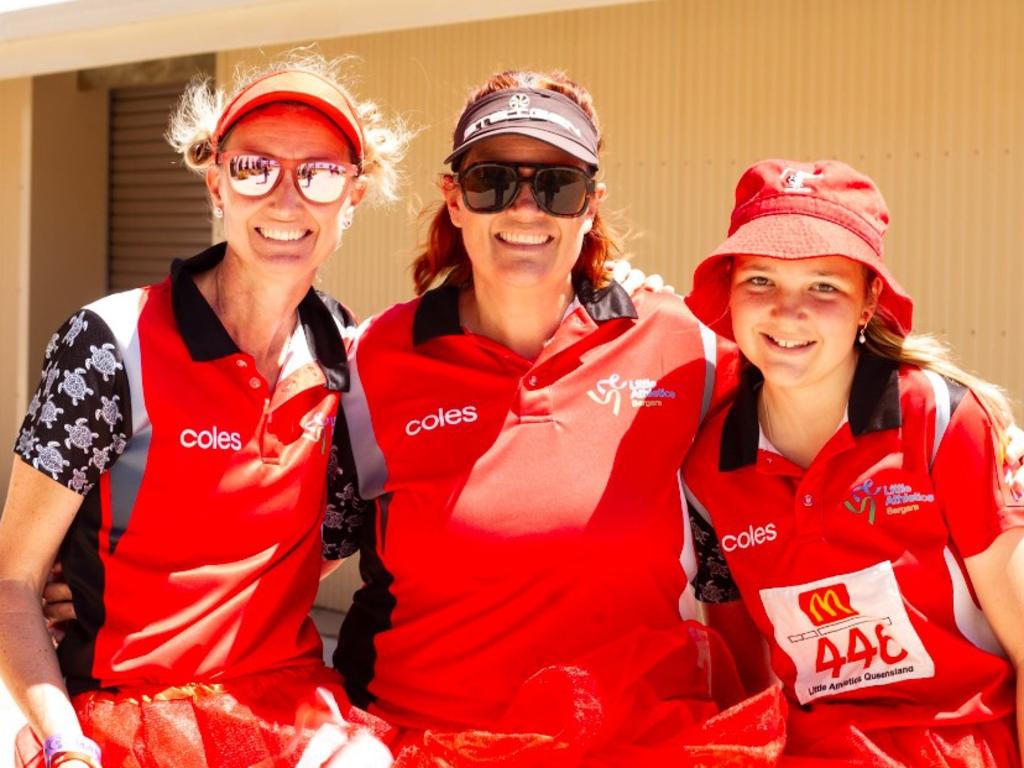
[241, 363]
[532, 381]
[808, 500]
[254, 382]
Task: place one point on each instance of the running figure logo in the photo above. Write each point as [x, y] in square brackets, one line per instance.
[863, 496]
[608, 391]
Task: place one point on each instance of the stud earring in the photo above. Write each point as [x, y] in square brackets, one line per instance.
[346, 221]
[218, 213]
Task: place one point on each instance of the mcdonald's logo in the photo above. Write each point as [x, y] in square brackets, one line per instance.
[825, 605]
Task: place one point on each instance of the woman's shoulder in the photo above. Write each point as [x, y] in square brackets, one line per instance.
[395, 325]
[921, 388]
[666, 306]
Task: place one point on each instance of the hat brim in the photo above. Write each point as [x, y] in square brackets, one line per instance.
[552, 138]
[294, 86]
[790, 236]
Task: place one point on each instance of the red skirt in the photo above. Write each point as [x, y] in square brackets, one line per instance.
[814, 740]
[651, 699]
[262, 720]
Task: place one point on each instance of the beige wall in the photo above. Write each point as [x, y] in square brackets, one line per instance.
[68, 205]
[15, 155]
[924, 95]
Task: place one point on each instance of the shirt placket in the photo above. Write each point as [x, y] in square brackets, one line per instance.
[810, 501]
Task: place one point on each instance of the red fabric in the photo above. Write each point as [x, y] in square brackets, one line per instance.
[262, 720]
[466, 623]
[818, 736]
[606, 713]
[790, 210]
[820, 541]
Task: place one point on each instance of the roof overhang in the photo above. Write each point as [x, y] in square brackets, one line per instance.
[44, 36]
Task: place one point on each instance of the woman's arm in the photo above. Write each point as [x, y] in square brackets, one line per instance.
[36, 516]
[997, 575]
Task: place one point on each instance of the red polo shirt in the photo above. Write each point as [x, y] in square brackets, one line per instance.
[196, 552]
[853, 568]
[527, 512]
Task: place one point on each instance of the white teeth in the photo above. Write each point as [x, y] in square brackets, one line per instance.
[286, 235]
[786, 344]
[521, 238]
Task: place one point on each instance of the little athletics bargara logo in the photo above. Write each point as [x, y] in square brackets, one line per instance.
[897, 498]
[642, 393]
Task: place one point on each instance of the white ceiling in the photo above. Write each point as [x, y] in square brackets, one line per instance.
[42, 36]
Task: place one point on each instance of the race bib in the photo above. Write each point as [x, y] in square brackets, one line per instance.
[847, 632]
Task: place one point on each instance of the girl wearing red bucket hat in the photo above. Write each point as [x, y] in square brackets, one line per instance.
[849, 507]
[178, 454]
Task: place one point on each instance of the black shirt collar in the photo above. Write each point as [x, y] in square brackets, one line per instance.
[438, 311]
[874, 406]
[207, 339]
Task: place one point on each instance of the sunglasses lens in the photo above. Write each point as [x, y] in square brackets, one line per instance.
[256, 175]
[321, 182]
[489, 188]
[562, 191]
[253, 175]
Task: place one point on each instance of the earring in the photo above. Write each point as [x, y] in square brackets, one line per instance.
[218, 213]
[346, 221]
[861, 337]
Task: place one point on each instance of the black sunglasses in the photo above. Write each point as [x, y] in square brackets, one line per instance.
[560, 190]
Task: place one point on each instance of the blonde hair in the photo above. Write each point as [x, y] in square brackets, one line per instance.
[931, 354]
[194, 121]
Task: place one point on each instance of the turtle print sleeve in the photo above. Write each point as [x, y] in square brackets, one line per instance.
[78, 421]
[346, 510]
[714, 582]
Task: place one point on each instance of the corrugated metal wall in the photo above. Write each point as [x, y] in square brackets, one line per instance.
[924, 95]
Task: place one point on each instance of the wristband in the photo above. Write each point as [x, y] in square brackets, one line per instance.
[58, 750]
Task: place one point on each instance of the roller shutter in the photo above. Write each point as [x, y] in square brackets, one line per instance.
[158, 208]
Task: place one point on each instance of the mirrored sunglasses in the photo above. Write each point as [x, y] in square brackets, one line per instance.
[255, 175]
[560, 190]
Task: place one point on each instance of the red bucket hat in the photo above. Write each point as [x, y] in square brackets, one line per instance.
[789, 210]
[299, 86]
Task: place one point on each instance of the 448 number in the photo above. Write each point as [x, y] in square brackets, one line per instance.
[859, 647]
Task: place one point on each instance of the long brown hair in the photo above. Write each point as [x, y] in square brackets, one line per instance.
[931, 354]
[444, 256]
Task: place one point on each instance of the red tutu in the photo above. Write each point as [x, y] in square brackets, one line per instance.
[644, 701]
[820, 735]
[261, 720]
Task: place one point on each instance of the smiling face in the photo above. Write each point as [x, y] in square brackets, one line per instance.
[797, 319]
[521, 246]
[283, 231]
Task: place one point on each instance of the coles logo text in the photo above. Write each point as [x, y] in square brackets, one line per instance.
[442, 417]
[898, 499]
[212, 439]
[642, 393]
[752, 537]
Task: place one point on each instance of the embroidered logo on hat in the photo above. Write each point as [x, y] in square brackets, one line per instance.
[793, 180]
[519, 102]
[548, 116]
